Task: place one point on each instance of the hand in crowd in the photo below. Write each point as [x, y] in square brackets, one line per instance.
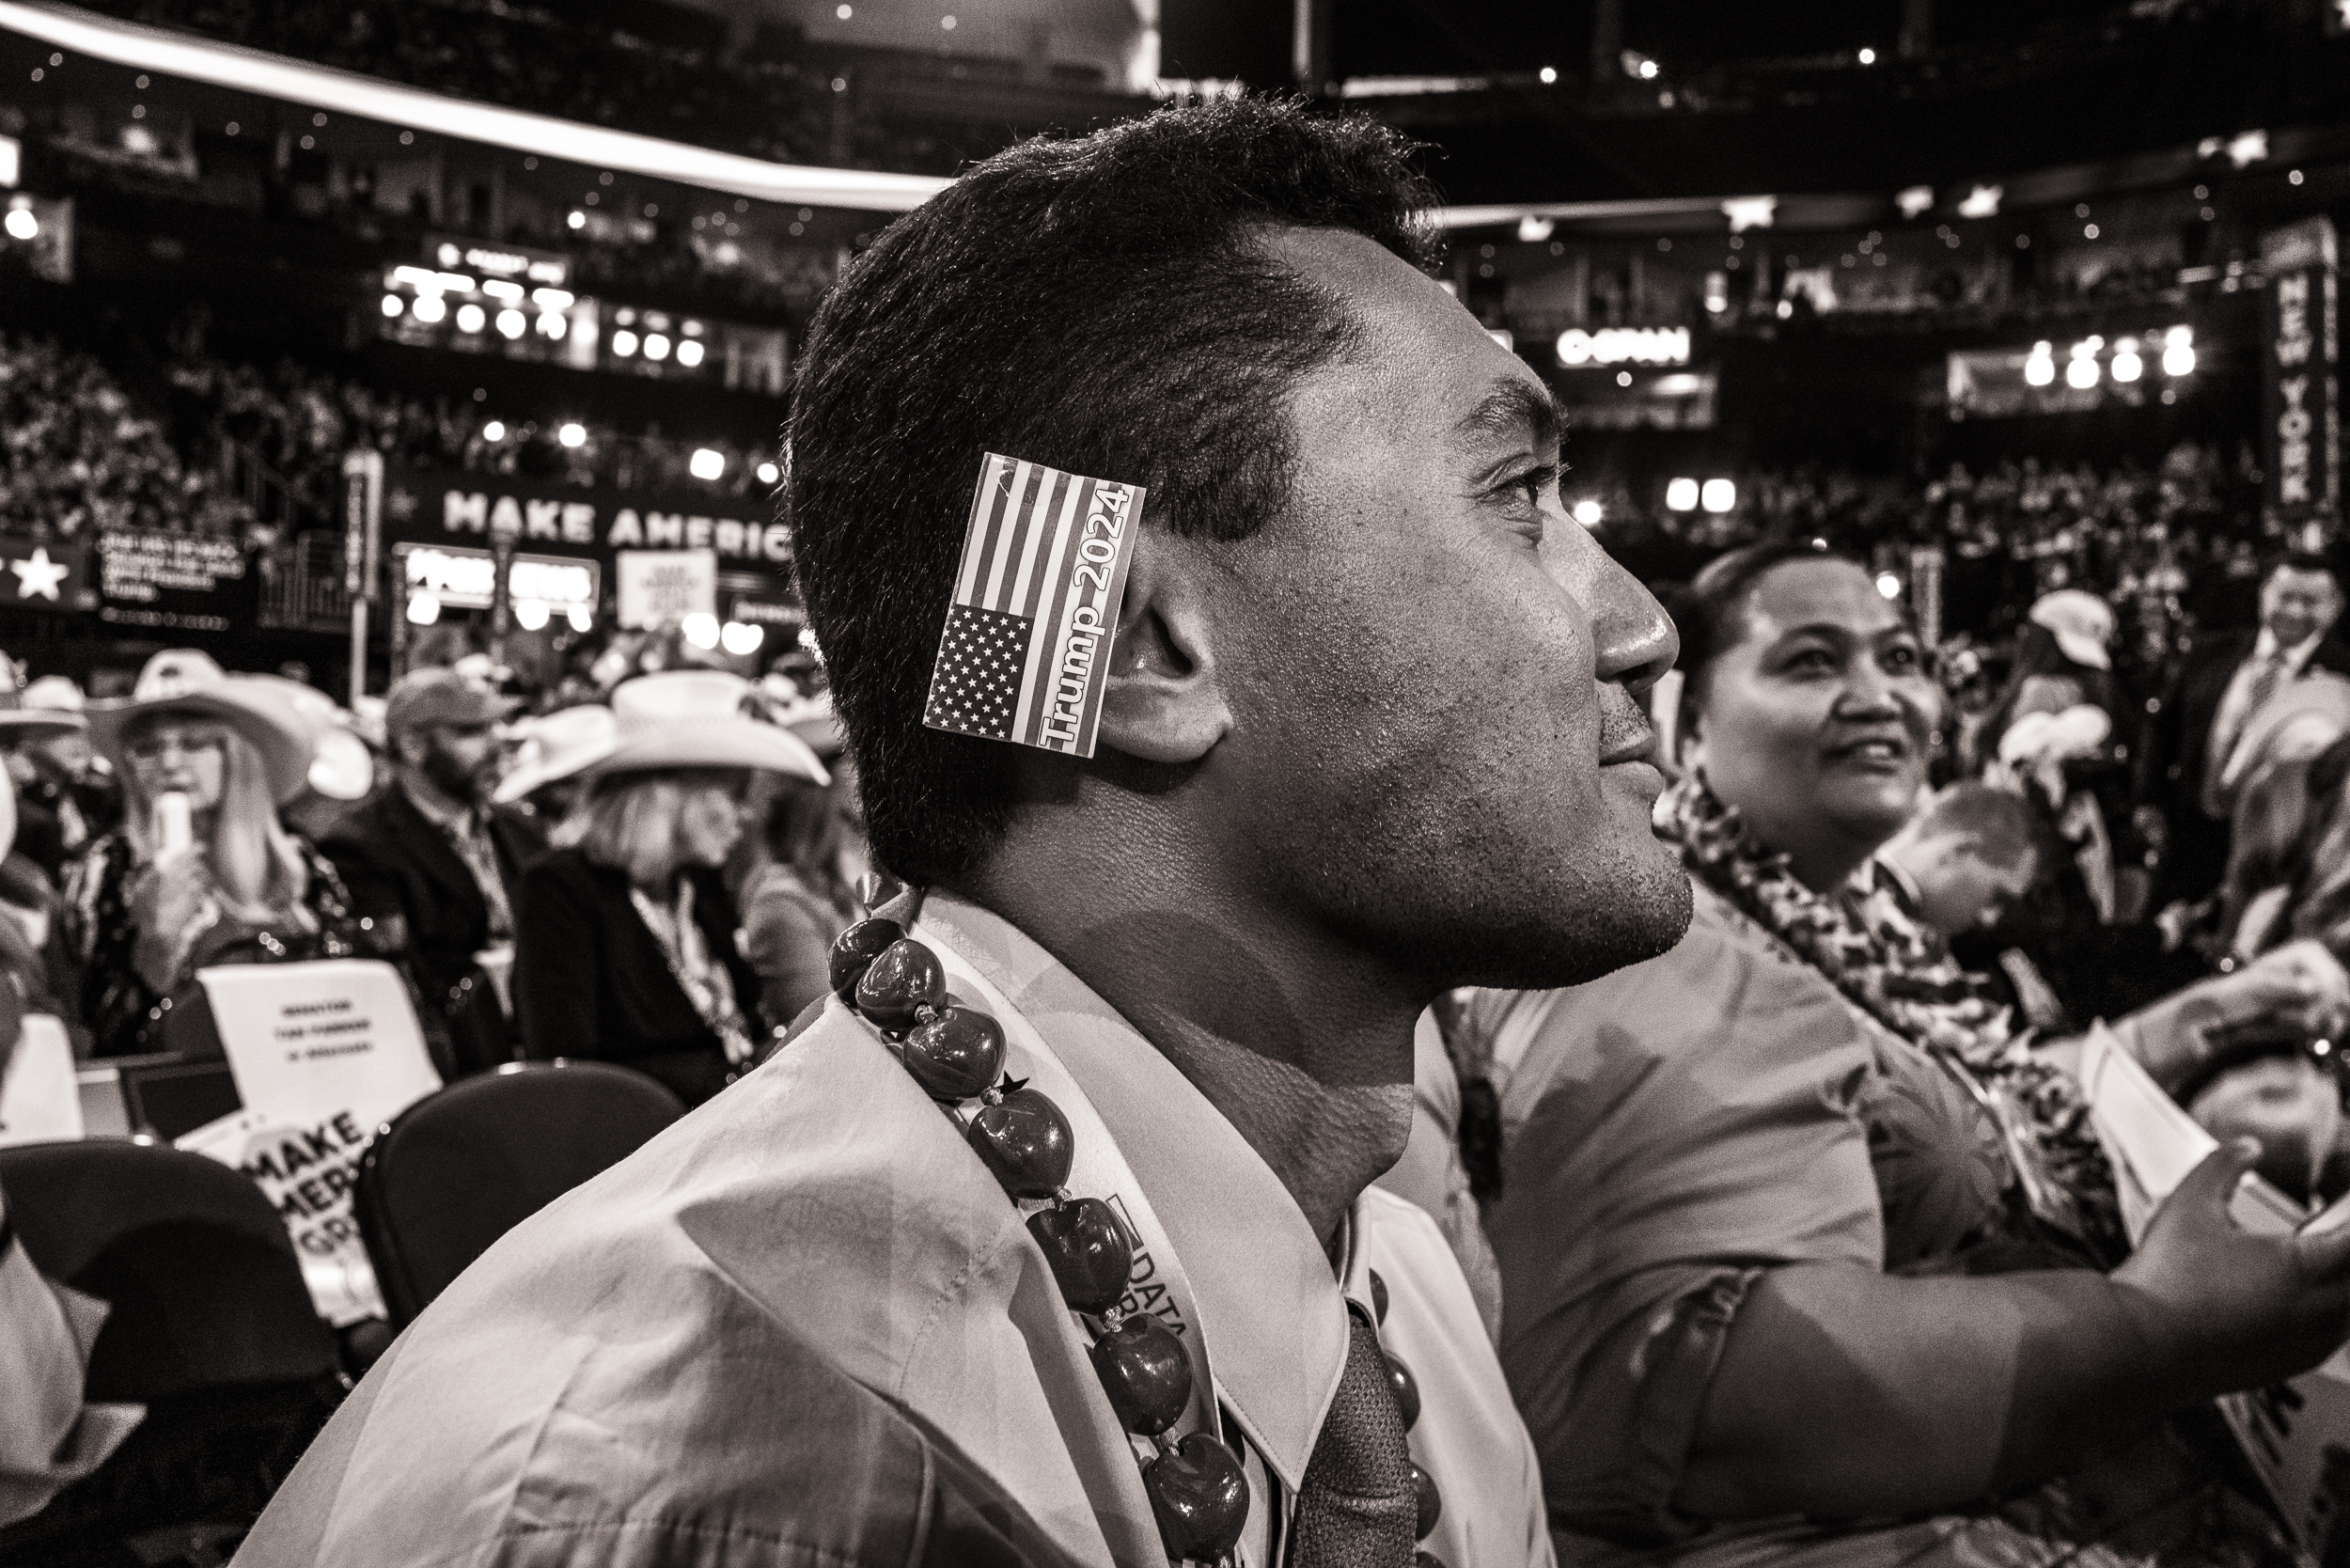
[167, 901]
[2297, 992]
[2244, 1309]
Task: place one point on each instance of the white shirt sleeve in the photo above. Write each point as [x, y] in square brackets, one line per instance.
[48, 1437]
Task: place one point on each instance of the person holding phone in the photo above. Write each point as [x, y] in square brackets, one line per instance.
[201, 872]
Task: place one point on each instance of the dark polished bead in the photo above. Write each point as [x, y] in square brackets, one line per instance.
[956, 1055]
[1406, 1389]
[1378, 1295]
[1089, 1250]
[1430, 1505]
[856, 949]
[905, 977]
[1025, 1141]
[1199, 1497]
[1144, 1370]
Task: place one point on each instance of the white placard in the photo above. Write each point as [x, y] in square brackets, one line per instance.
[323, 1054]
[2297, 1433]
[662, 587]
[40, 1098]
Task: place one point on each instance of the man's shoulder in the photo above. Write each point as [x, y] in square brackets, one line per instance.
[363, 829]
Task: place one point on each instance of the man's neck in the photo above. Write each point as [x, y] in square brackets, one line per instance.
[435, 802]
[1302, 1043]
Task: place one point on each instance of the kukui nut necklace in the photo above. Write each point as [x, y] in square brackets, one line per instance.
[956, 1054]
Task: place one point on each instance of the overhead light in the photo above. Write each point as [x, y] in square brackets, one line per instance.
[1533, 231]
[394, 304]
[424, 608]
[1549, 75]
[581, 617]
[1982, 202]
[1682, 495]
[512, 323]
[767, 473]
[1868, 56]
[689, 353]
[1588, 514]
[494, 431]
[1916, 202]
[2247, 147]
[1719, 496]
[656, 345]
[574, 435]
[2081, 374]
[1889, 585]
[531, 614]
[2126, 365]
[552, 325]
[22, 224]
[623, 343]
[577, 219]
[471, 318]
[1746, 212]
[2178, 354]
[701, 629]
[741, 638]
[2040, 365]
[430, 309]
[1648, 70]
[707, 464]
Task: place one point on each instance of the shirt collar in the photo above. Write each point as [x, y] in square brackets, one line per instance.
[1268, 1299]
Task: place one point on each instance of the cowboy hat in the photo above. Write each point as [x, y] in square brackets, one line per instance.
[2302, 719]
[557, 745]
[34, 721]
[341, 766]
[694, 718]
[184, 680]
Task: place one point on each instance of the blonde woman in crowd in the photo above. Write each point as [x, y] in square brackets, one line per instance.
[202, 870]
[625, 946]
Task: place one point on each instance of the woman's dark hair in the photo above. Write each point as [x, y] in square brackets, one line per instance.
[1711, 612]
[2039, 653]
[1103, 306]
[803, 832]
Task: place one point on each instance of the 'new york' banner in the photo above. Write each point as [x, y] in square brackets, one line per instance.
[1025, 652]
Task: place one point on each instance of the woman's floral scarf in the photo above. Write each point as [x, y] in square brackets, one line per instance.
[1902, 974]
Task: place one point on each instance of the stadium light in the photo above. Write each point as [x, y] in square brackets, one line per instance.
[623, 343]
[577, 219]
[1746, 212]
[1868, 56]
[741, 638]
[1590, 513]
[471, 318]
[574, 435]
[701, 629]
[1982, 202]
[689, 353]
[1915, 201]
[656, 345]
[1719, 496]
[430, 309]
[581, 617]
[424, 608]
[552, 325]
[1533, 231]
[2178, 358]
[394, 304]
[494, 431]
[511, 323]
[22, 224]
[2126, 365]
[1889, 585]
[707, 464]
[531, 614]
[767, 473]
[2040, 366]
[1550, 75]
[1682, 495]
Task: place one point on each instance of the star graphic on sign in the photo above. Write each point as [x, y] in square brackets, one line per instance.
[38, 577]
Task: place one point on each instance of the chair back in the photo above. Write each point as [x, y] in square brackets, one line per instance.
[461, 1167]
[206, 1290]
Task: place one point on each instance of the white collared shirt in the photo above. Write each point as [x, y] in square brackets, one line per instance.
[604, 1369]
[2233, 714]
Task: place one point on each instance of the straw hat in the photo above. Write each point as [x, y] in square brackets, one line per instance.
[555, 746]
[2082, 622]
[812, 719]
[184, 680]
[694, 718]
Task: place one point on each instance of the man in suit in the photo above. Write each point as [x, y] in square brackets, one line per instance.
[436, 866]
[2189, 767]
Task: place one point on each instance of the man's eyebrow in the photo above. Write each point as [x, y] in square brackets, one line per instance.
[1513, 407]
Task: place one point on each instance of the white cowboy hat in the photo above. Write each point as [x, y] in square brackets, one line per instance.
[2302, 719]
[694, 718]
[341, 766]
[555, 746]
[36, 721]
[184, 680]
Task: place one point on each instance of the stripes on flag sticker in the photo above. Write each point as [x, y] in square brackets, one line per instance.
[1024, 653]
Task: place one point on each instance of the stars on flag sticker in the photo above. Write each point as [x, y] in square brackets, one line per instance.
[975, 686]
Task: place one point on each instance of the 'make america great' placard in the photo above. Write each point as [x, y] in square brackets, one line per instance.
[1025, 652]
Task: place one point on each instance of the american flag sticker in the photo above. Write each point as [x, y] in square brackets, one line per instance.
[1025, 652]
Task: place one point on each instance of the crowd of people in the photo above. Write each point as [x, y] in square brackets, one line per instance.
[1602, 1085]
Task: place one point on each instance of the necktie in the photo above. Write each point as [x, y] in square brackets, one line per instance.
[1358, 1505]
[2267, 676]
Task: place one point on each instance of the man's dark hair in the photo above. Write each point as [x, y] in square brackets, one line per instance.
[1998, 822]
[1101, 305]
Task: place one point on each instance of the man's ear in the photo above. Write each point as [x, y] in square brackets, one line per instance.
[1164, 701]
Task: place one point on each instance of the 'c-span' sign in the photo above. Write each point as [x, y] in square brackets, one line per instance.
[1616, 345]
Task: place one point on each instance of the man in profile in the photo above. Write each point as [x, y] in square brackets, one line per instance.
[1373, 729]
